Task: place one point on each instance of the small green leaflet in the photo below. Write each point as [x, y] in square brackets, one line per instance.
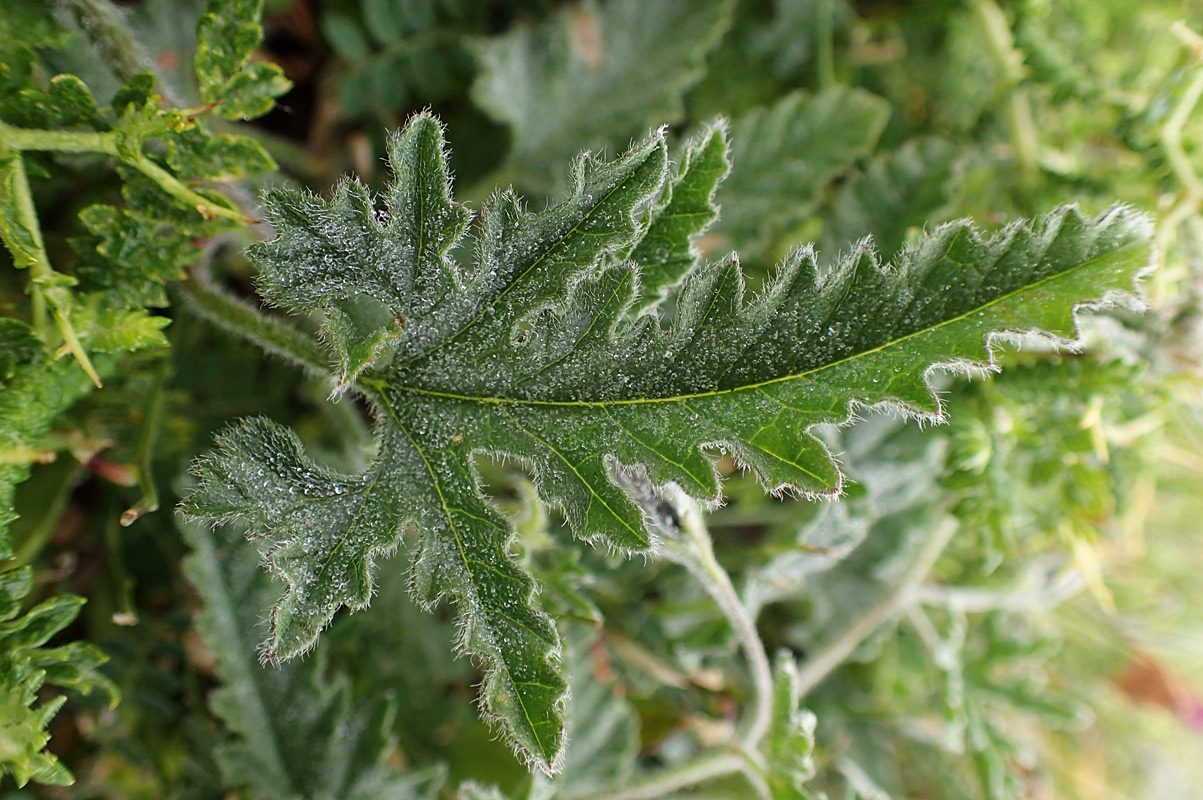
[790, 744]
[27, 665]
[226, 38]
[529, 354]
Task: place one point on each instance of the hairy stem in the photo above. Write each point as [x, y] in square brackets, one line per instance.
[104, 25]
[693, 550]
[696, 553]
[894, 601]
[240, 318]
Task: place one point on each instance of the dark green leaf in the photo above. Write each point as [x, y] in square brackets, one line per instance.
[529, 354]
[345, 36]
[71, 101]
[136, 92]
[667, 249]
[895, 194]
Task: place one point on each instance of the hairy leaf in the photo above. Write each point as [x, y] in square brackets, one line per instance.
[582, 78]
[529, 354]
[666, 250]
[602, 726]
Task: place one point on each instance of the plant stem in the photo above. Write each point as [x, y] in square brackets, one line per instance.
[22, 455]
[152, 419]
[694, 551]
[60, 141]
[700, 770]
[697, 555]
[825, 43]
[20, 139]
[1000, 45]
[1191, 197]
[168, 183]
[1171, 138]
[968, 600]
[123, 582]
[241, 319]
[22, 235]
[894, 601]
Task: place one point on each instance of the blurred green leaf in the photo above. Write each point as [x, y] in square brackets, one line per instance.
[593, 76]
[784, 156]
[26, 665]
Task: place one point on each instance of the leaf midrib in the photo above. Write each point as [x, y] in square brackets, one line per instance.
[413, 440]
[1027, 287]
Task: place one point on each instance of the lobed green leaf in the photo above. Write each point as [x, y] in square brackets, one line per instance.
[226, 37]
[297, 734]
[893, 195]
[26, 666]
[530, 354]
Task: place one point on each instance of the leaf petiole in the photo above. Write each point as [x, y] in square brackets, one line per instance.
[893, 602]
[695, 552]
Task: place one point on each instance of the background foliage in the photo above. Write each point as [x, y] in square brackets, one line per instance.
[1052, 651]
